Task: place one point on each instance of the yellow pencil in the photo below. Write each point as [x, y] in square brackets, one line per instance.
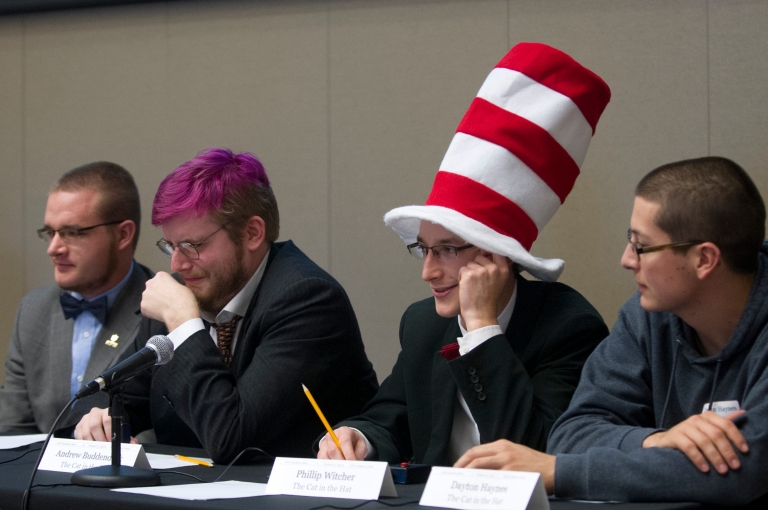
[194, 461]
[325, 422]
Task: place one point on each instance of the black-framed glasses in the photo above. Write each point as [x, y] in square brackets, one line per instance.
[188, 249]
[441, 252]
[639, 250]
[68, 234]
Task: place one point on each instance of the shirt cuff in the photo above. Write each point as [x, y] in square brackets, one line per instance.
[474, 338]
[186, 330]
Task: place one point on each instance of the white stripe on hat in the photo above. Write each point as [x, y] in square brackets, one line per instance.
[551, 110]
[500, 170]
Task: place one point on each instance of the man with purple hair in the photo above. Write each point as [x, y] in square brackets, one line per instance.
[253, 321]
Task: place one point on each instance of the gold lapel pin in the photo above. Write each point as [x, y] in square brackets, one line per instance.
[112, 342]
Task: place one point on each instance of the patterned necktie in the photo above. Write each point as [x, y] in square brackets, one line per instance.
[73, 307]
[224, 334]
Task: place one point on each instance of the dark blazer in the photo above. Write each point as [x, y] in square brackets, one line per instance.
[39, 363]
[515, 385]
[300, 328]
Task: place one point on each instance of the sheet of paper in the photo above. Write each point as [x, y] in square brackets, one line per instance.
[158, 461]
[203, 491]
[8, 442]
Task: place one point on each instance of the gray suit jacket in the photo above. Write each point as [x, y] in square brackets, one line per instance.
[39, 364]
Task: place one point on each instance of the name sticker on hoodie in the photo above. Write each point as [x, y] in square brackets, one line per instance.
[723, 408]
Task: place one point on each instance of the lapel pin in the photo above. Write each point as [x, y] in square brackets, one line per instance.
[112, 342]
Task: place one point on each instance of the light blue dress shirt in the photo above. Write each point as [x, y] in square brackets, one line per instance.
[86, 331]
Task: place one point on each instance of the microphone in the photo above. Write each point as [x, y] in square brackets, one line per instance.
[158, 351]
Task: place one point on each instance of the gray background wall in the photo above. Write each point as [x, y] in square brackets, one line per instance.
[351, 105]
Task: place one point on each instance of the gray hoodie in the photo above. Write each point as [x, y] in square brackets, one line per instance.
[647, 376]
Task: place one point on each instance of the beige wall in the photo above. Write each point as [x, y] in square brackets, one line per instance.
[351, 105]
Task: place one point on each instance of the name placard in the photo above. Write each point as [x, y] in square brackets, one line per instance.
[331, 478]
[484, 489]
[70, 455]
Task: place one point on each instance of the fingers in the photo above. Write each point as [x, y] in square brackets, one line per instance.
[95, 426]
[477, 453]
[352, 445]
[705, 439]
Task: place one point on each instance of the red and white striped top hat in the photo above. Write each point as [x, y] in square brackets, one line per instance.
[515, 156]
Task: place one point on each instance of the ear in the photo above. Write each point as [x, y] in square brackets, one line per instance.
[255, 233]
[126, 231]
[708, 257]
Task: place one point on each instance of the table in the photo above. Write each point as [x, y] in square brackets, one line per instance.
[53, 490]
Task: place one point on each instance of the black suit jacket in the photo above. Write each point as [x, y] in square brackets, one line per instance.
[299, 328]
[516, 385]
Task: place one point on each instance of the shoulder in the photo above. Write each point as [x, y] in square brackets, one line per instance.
[287, 264]
[554, 299]
[40, 298]
[421, 320]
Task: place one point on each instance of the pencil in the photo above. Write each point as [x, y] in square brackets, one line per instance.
[325, 422]
[193, 461]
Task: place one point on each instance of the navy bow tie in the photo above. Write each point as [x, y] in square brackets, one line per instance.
[73, 307]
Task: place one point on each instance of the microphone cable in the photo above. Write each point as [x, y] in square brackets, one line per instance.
[25, 497]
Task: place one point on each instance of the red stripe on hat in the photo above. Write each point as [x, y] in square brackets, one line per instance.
[531, 143]
[558, 71]
[482, 204]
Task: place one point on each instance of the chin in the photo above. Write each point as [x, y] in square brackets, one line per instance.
[446, 310]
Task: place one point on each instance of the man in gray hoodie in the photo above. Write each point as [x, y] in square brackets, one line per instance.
[672, 405]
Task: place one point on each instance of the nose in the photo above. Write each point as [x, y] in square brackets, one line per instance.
[629, 259]
[179, 261]
[55, 245]
[431, 268]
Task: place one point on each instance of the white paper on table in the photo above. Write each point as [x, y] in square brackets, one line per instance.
[159, 461]
[9, 442]
[231, 489]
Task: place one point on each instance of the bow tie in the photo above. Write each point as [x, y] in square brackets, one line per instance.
[73, 307]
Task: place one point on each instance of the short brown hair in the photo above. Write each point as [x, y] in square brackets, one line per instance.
[709, 199]
[119, 195]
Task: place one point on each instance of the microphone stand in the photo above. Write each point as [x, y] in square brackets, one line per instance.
[116, 475]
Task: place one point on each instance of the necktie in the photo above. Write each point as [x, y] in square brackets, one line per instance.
[224, 334]
[73, 307]
[450, 351]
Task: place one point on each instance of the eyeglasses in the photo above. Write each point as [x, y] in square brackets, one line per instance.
[188, 249]
[639, 250]
[441, 252]
[69, 234]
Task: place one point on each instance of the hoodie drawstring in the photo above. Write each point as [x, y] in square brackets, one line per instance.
[671, 383]
[714, 384]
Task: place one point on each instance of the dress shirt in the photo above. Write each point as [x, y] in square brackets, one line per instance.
[238, 305]
[85, 332]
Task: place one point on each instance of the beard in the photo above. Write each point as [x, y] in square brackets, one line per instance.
[223, 287]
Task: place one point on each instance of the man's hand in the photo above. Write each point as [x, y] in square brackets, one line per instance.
[481, 285]
[508, 456]
[352, 444]
[164, 299]
[704, 437]
[96, 426]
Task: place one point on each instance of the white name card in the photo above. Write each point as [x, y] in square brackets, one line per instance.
[484, 489]
[331, 478]
[70, 455]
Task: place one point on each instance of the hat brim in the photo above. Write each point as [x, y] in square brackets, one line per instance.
[405, 221]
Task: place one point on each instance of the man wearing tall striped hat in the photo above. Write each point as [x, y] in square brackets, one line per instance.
[491, 355]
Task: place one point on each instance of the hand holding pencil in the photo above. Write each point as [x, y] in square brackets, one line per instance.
[343, 444]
